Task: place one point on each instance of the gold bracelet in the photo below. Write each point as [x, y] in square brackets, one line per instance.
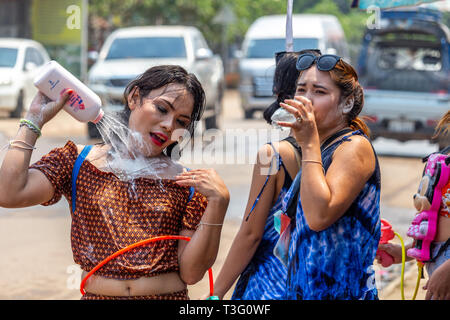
[13, 143]
[313, 161]
[318, 162]
[209, 224]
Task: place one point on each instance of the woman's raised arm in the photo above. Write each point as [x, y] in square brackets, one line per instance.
[20, 186]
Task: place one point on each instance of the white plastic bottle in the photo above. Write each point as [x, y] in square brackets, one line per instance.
[84, 105]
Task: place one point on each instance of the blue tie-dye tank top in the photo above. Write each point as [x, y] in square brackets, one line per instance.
[336, 263]
[265, 276]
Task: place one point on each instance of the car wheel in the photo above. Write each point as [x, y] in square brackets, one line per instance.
[248, 114]
[17, 112]
[93, 131]
[212, 122]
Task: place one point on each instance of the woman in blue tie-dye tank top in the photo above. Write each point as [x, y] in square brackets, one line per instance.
[251, 258]
[336, 193]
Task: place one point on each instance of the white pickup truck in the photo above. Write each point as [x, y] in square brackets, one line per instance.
[128, 52]
[404, 67]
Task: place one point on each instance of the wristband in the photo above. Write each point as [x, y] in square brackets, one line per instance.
[30, 125]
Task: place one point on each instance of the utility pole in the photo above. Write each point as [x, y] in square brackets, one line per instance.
[224, 17]
[84, 40]
[289, 31]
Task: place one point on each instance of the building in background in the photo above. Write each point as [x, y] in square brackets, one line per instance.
[15, 18]
[59, 25]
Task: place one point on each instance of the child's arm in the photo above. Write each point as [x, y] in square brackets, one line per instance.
[19, 186]
[438, 287]
[395, 250]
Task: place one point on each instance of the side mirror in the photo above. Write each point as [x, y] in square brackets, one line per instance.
[30, 66]
[93, 56]
[238, 54]
[331, 51]
[203, 54]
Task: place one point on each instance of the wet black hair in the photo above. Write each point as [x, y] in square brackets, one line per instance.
[285, 79]
[160, 76]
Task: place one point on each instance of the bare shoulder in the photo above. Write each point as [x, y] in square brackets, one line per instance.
[265, 154]
[80, 148]
[97, 152]
[283, 148]
[287, 152]
[266, 161]
[357, 151]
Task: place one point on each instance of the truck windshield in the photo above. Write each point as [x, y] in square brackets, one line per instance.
[406, 62]
[8, 57]
[147, 47]
[266, 48]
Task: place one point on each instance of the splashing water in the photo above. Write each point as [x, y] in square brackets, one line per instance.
[126, 153]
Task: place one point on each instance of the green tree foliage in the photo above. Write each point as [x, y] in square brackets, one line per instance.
[353, 22]
[200, 13]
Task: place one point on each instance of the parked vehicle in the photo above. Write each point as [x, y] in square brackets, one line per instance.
[266, 36]
[20, 60]
[404, 67]
[128, 52]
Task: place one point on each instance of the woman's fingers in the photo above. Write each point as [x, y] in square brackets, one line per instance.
[205, 181]
[305, 102]
[289, 108]
[64, 97]
[190, 178]
[286, 124]
[298, 106]
[190, 173]
[42, 109]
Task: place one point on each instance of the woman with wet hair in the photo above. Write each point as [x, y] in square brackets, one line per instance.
[113, 209]
[336, 194]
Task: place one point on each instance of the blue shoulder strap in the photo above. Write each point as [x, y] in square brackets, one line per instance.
[265, 182]
[76, 168]
[191, 193]
[191, 190]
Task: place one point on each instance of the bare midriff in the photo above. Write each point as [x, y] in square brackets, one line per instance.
[160, 284]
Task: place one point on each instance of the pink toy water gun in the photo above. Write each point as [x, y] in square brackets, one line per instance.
[428, 203]
[387, 234]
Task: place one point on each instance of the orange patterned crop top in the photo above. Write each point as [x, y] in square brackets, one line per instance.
[111, 214]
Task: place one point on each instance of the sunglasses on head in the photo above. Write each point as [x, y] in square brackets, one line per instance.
[324, 62]
[281, 54]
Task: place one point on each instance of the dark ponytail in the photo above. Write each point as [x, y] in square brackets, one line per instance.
[284, 82]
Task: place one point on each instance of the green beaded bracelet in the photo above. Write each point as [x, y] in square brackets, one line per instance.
[30, 125]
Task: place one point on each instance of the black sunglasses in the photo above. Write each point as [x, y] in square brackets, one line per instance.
[281, 54]
[325, 62]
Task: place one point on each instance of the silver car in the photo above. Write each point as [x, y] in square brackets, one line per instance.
[128, 52]
[266, 36]
[20, 60]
